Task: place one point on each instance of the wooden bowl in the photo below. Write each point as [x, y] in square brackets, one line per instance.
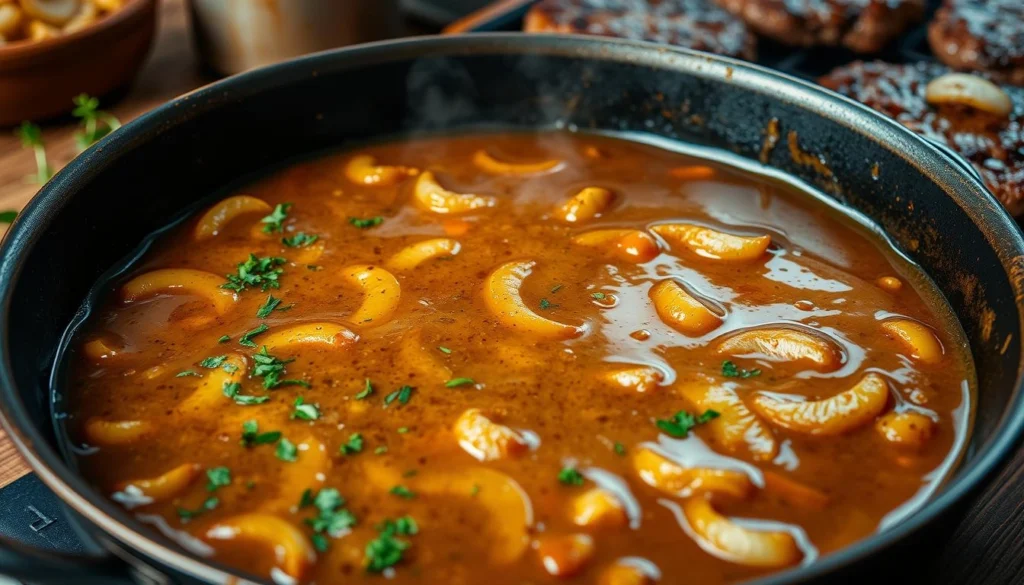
[38, 79]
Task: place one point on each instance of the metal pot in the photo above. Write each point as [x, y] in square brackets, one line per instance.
[99, 208]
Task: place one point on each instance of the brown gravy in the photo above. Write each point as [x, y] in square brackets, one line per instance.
[609, 363]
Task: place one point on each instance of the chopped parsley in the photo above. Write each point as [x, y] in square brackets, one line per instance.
[366, 223]
[217, 477]
[402, 492]
[299, 240]
[224, 339]
[570, 476]
[332, 518]
[386, 550]
[273, 223]
[731, 370]
[683, 422]
[213, 361]
[473, 491]
[251, 435]
[209, 504]
[619, 448]
[267, 307]
[444, 350]
[598, 295]
[270, 369]
[354, 445]
[304, 410]
[188, 373]
[403, 430]
[233, 390]
[556, 288]
[456, 382]
[403, 395]
[409, 473]
[246, 338]
[8, 216]
[256, 272]
[286, 450]
[380, 450]
[229, 368]
[366, 391]
[546, 304]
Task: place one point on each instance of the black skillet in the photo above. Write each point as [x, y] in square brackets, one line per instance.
[97, 210]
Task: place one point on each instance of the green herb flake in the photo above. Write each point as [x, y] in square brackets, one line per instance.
[187, 373]
[473, 491]
[731, 370]
[387, 551]
[274, 222]
[224, 339]
[251, 435]
[332, 519]
[8, 216]
[403, 430]
[444, 350]
[95, 123]
[299, 240]
[683, 422]
[255, 272]
[402, 492]
[409, 473]
[213, 361]
[271, 369]
[556, 288]
[598, 295]
[570, 476]
[354, 445]
[304, 410]
[456, 382]
[267, 307]
[32, 137]
[217, 477]
[229, 368]
[209, 504]
[233, 390]
[619, 448]
[246, 339]
[286, 450]
[546, 304]
[366, 391]
[403, 395]
[366, 223]
[380, 450]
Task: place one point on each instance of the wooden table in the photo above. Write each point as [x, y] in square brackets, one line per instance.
[987, 548]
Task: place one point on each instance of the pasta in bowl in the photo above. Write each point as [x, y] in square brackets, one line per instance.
[558, 356]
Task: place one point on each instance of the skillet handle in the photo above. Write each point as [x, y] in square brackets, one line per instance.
[38, 544]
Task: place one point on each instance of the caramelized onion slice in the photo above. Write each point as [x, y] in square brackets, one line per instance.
[166, 485]
[178, 281]
[322, 334]
[485, 439]
[501, 295]
[106, 433]
[629, 245]
[968, 90]
[714, 244]
[908, 429]
[681, 311]
[918, 339]
[587, 204]
[735, 428]
[666, 475]
[223, 212]
[291, 548]
[729, 541]
[781, 344]
[430, 195]
[484, 161]
[364, 170]
[381, 294]
[597, 507]
[413, 255]
[839, 414]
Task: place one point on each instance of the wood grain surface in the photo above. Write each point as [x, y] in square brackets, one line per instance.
[986, 548]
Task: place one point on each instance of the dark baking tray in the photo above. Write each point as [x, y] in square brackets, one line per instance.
[807, 63]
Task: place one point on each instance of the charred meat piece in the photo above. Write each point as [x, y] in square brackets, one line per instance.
[981, 35]
[863, 26]
[978, 119]
[695, 24]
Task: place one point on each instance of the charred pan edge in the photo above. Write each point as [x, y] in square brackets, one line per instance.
[966, 192]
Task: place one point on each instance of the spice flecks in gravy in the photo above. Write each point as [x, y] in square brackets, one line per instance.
[537, 356]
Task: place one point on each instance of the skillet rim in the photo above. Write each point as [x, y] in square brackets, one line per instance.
[980, 206]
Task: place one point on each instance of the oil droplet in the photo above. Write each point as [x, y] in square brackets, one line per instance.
[641, 335]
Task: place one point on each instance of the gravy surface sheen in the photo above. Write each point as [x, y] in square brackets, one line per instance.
[519, 358]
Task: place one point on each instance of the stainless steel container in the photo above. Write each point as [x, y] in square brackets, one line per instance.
[236, 35]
